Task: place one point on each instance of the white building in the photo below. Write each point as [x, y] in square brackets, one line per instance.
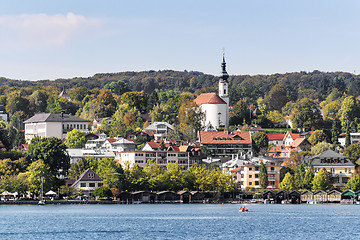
[216, 107]
[53, 125]
[87, 182]
[354, 138]
[159, 130]
[3, 116]
[76, 154]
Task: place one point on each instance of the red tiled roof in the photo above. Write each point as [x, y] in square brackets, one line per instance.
[111, 140]
[209, 98]
[275, 136]
[297, 142]
[153, 145]
[235, 137]
[275, 149]
[236, 169]
[293, 135]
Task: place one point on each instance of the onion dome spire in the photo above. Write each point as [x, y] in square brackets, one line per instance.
[224, 75]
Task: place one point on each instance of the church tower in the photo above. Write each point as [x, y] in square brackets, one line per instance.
[224, 88]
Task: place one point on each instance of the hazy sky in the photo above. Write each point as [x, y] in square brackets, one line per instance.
[78, 38]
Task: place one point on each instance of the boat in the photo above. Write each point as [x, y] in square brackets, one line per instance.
[243, 209]
[41, 201]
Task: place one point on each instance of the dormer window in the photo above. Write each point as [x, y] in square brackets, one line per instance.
[91, 175]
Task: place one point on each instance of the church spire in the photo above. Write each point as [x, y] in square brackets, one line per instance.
[224, 75]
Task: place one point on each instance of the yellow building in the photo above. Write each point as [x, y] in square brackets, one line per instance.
[250, 173]
[340, 167]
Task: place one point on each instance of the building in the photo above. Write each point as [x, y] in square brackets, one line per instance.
[302, 143]
[76, 154]
[159, 130]
[162, 158]
[3, 116]
[53, 125]
[248, 174]
[290, 138]
[98, 121]
[354, 138]
[215, 107]
[87, 182]
[276, 139]
[225, 143]
[340, 167]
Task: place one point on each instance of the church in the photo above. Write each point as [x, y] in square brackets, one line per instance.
[215, 107]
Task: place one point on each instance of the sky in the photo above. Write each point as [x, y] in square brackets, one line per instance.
[42, 39]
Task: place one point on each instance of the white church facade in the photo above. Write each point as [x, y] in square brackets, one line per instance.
[215, 107]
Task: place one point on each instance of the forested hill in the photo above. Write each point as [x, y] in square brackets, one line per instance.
[315, 85]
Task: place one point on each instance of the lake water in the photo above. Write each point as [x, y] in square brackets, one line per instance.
[179, 221]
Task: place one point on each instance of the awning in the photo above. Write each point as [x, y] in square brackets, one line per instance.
[50, 193]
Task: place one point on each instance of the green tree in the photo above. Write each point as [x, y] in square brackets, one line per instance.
[66, 190]
[320, 147]
[107, 103]
[331, 110]
[111, 172]
[353, 152]
[300, 174]
[321, 181]
[308, 178]
[276, 99]
[288, 183]
[189, 120]
[354, 183]
[335, 131]
[79, 93]
[317, 136]
[349, 110]
[52, 152]
[38, 101]
[38, 171]
[16, 102]
[156, 176]
[240, 113]
[103, 192]
[175, 178]
[134, 99]
[75, 139]
[275, 116]
[153, 100]
[285, 170]
[81, 166]
[305, 115]
[136, 178]
[62, 105]
[263, 176]
[117, 88]
[260, 141]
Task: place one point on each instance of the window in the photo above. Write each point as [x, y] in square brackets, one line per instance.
[91, 175]
[250, 183]
[272, 168]
[256, 175]
[332, 170]
[82, 184]
[224, 91]
[91, 184]
[256, 183]
[250, 169]
[100, 184]
[250, 176]
[346, 170]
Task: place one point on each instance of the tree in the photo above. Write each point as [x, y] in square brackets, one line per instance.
[335, 131]
[306, 115]
[155, 174]
[16, 102]
[81, 166]
[75, 139]
[175, 178]
[79, 93]
[317, 136]
[285, 170]
[38, 101]
[240, 113]
[276, 99]
[189, 120]
[260, 140]
[263, 176]
[52, 152]
[103, 192]
[349, 111]
[107, 103]
[320, 147]
[354, 183]
[275, 116]
[111, 172]
[152, 101]
[134, 99]
[164, 113]
[300, 174]
[39, 172]
[331, 110]
[321, 181]
[62, 105]
[308, 178]
[353, 152]
[288, 183]
[117, 88]
[66, 190]
[136, 178]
